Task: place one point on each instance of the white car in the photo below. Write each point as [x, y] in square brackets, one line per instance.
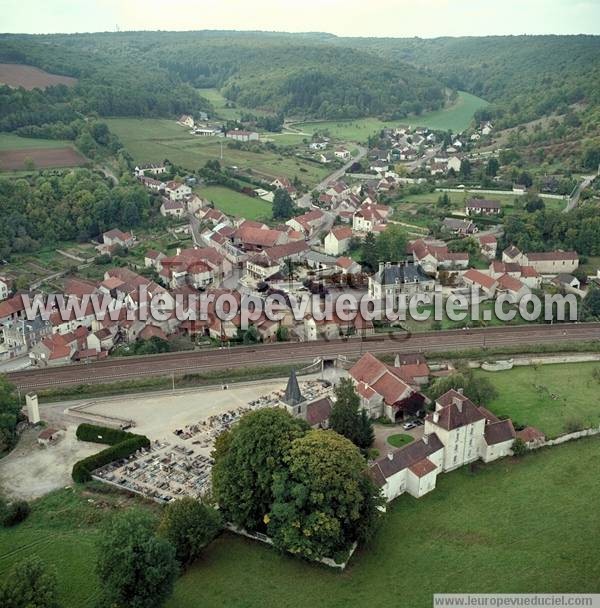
[408, 425]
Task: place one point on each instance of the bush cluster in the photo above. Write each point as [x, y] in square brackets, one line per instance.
[122, 445]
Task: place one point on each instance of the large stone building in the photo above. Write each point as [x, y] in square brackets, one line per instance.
[392, 280]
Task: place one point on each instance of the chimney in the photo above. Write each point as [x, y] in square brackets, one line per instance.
[436, 417]
[388, 264]
[459, 404]
[425, 439]
[381, 266]
[397, 361]
[390, 456]
[461, 391]
[33, 410]
[178, 251]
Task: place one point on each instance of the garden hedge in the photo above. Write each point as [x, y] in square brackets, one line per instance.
[122, 445]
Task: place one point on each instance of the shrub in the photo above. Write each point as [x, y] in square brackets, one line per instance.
[122, 445]
[519, 447]
[15, 513]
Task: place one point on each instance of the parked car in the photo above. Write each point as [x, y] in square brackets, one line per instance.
[408, 425]
[418, 422]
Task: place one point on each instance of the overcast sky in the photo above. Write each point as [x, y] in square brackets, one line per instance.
[424, 18]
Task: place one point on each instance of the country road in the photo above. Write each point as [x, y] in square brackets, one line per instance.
[178, 364]
[574, 198]
[306, 201]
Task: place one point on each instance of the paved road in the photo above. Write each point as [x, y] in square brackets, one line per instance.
[125, 368]
[306, 201]
[574, 200]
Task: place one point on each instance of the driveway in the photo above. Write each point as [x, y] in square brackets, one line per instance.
[383, 431]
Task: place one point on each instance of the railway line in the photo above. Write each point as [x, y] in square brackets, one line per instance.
[178, 364]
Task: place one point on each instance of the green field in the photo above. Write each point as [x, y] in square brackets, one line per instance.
[514, 526]
[8, 141]
[236, 203]
[456, 118]
[219, 103]
[548, 397]
[153, 140]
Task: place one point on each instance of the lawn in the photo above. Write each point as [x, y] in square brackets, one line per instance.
[515, 526]
[456, 118]
[153, 140]
[236, 203]
[399, 440]
[548, 397]
[219, 103]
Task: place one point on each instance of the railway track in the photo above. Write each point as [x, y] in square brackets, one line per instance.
[178, 364]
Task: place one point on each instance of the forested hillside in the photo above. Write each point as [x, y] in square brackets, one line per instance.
[525, 77]
[154, 73]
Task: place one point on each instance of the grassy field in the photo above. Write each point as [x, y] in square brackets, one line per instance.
[236, 203]
[152, 140]
[456, 118]
[8, 141]
[219, 103]
[514, 526]
[548, 397]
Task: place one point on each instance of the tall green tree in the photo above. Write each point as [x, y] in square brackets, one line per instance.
[29, 584]
[283, 205]
[348, 419]
[9, 414]
[369, 252]
[391, 244]
[136, 568]
[246, 460]
[189, 525]
[324, 499]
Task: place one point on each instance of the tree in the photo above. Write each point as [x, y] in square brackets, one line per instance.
[369, 252]
[478, 390]
[29, 584]
[491, 169]
[283, 205]
[247, 458]
[391, 244]
[9, 414]
[467, 245]
[590, 307]
[348, 419]
[136, 568]
[465, 168]
[324, 499]
[519, 447]
[189, 525]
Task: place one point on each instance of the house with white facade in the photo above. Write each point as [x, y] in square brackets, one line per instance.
[177, 191]
[337, 240]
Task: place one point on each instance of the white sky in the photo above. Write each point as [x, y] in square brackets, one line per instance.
[403, 18]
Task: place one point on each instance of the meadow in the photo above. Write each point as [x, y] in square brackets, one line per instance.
[456, 118]
[153, 140]
[549, 397]
[235, 203]
[515, 526]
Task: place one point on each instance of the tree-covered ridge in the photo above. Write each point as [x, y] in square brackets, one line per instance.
[153, 73]
[112, 81]
[525, 77]
[76, 205]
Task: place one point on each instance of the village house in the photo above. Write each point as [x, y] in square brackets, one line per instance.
[283, 183]
[337, 240]
[393, 280]
[545, 262]
[172, 208]
[177, 191]
[152, 259]
[369, 216]
[153, 168]
[12, 309]
[185, 120]
[308, 223]
[347, 265]
[482, 207]
[5, 287]
[433, 255]
[114, 239]
[488, 245]
[383, 391]
[460, 227]
[342, 153]
[239, 135]
[484, 283]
